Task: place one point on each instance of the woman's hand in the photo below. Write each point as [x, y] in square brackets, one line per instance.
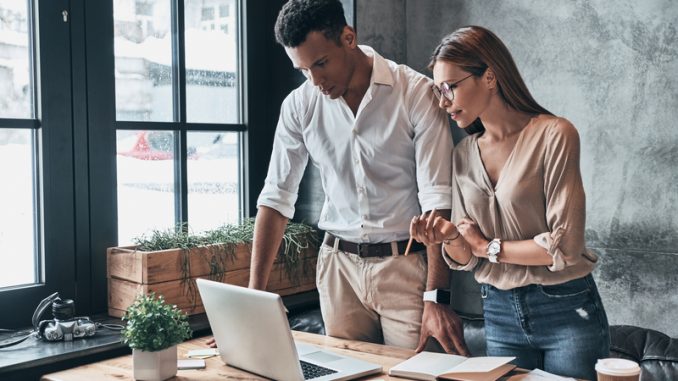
[432, 229]
[471, 233]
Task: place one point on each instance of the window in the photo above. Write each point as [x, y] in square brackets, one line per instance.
[115, 125]
[208, 14]
[178, 120]
[18, 201]
[224, 10]
[144, 8]
[36, 149]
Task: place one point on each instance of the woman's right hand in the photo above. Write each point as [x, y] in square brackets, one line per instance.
[432, 229]
[211, 343]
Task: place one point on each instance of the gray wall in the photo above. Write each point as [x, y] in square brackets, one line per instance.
[612, 69]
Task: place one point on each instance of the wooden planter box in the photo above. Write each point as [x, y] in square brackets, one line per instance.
[130, 271]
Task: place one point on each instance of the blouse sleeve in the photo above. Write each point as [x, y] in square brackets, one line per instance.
[565, 199]
[458, 212]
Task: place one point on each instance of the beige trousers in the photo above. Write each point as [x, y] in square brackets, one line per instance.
[372, 299]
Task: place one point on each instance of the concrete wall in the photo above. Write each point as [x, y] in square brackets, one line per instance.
[612, 69]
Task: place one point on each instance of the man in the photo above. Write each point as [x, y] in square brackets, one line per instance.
[382, 147]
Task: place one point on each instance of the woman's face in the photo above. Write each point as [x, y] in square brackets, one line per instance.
[471, 97]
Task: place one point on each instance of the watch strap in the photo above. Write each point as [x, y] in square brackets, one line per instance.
[439, 295]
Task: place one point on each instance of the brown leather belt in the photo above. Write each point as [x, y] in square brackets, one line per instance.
[366, 250]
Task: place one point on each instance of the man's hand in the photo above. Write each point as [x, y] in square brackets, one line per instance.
[432, 229]
[211, 343]
[443, 324]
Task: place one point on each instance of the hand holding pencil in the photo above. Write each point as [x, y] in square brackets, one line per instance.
[430, 229]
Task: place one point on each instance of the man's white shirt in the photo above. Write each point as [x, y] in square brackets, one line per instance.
[379, 168]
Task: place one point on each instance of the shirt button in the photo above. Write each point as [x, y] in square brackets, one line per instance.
[356, 161]
[364, 216]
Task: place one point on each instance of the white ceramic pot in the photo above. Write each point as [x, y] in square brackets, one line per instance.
[155, 366]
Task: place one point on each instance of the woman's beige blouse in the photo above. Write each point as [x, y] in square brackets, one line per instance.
[539, 195]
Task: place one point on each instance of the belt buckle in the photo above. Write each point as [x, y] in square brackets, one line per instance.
[363, 249]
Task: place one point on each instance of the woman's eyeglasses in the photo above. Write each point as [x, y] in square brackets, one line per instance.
[446, 89]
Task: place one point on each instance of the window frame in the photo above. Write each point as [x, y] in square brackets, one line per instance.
[79, 190]
[180, 126]
[53, 169]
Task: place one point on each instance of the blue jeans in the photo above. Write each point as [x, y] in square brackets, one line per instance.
[561, 329]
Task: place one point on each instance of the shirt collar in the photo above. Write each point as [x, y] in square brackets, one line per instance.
[381, 73]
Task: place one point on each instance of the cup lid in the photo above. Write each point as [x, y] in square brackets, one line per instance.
[618, 367]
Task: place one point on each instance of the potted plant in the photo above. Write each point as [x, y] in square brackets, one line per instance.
[168, 262]
[153, 330]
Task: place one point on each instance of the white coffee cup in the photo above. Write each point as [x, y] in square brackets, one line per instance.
[613, 369]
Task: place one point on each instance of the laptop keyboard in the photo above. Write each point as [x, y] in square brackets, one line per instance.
[312, 371]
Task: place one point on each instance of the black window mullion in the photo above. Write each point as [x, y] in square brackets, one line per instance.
[241, 41]
[175, 126]
[19, 123]
[179, 99]
[35, 124]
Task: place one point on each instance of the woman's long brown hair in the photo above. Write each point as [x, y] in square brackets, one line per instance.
[475, 49]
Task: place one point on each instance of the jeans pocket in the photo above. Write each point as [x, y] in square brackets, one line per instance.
[568, 289]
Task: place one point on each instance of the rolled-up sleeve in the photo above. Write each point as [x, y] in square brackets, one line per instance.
[433, 147]
[288, 162]
[458, 212]
[470, 266]
[565, 199]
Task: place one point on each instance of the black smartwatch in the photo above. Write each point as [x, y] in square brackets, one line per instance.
[439, 295]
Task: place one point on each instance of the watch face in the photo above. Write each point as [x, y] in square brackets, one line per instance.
[494, 247]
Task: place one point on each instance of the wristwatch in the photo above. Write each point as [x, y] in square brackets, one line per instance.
[439, 295]
[493, 250]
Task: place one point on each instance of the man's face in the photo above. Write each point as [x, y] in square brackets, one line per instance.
[325, 63]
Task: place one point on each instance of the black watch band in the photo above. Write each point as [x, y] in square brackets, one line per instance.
[439, 295]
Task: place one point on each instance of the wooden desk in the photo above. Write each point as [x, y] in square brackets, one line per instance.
[120, 368]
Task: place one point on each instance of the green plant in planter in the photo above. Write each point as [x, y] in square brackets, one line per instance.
[154, 325]
[222, 243]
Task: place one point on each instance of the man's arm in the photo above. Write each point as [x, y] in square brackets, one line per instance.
[269, 228]
[439, 320]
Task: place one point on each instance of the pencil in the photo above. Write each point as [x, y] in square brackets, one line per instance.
[409, 244]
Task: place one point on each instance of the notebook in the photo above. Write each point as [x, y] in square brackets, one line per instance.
[252, 332]
[434, 366]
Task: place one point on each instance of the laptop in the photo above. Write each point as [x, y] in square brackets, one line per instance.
[253, 334]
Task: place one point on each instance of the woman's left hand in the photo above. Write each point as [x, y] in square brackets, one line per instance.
[471, 233]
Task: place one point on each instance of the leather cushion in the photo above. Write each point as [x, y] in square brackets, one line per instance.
[656, 353]
[309, 320]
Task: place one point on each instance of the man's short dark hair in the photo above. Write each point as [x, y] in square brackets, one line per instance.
[298, 18]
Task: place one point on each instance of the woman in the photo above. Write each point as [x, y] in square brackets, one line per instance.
[519, 211]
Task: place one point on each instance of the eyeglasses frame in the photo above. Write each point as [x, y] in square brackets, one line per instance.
[447, 89]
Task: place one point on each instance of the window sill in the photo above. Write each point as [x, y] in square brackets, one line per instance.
[33, 357]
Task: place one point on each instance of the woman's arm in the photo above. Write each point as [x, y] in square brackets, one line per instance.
[525, 252]
[437, 230]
